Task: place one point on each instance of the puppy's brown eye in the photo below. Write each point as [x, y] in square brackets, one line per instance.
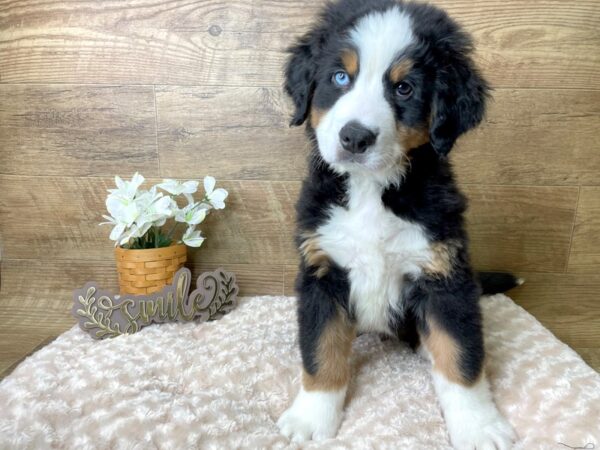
[404, 90]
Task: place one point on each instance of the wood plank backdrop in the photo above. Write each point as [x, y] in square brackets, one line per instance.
[186, 88]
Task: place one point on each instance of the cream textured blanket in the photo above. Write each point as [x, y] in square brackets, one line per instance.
[223, 385]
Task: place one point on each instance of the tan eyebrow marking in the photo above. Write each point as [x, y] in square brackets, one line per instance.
[350, 61]
[400, 69]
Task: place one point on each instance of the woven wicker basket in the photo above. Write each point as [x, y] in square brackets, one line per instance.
[148, 270]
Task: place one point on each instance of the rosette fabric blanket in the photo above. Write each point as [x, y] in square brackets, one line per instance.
[223, 384]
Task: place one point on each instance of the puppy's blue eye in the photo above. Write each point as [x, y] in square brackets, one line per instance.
[341, 78]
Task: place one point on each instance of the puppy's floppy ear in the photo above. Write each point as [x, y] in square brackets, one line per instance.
[300, 72]
[458, 103]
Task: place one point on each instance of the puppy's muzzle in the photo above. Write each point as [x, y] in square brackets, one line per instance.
[356, 138]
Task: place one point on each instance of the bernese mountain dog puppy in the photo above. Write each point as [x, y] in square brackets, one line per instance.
[385, 89]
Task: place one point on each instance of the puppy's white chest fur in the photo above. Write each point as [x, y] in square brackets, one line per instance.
[377, 248]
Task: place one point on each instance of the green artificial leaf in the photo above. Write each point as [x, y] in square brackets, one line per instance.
[163, 240]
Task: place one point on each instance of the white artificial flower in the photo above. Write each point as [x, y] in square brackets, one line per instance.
[192, 214]
[160, 222]
[175, 187]
[172, 207]
[192, 238]
[127, 189]
[142, 229]
[134, 212]
[134, 231]
[121, 203]
[117, 232]
[122, 209]
[130, 233]
[118, 228]
[153, 206]
[216, 197]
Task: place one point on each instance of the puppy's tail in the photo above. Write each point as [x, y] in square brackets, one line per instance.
[497, 282]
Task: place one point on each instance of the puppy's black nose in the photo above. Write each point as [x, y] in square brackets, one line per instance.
[356, 138]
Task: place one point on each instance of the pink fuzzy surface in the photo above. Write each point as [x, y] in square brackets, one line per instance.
[223, 385]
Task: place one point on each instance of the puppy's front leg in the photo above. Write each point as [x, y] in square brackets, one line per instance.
[452, 335]
[326, 336]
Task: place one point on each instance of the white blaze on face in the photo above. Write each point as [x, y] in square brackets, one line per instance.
[379, 39]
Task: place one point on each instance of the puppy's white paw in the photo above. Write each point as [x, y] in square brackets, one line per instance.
[473, 421]
[313, 415]
[482, 433]
[300, 426]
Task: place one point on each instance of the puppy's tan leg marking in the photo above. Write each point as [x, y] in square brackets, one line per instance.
[317, 410]
[332, 356]
[472, 419]
[314, 255]
[445, 353]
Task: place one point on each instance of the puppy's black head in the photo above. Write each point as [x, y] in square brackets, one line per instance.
[376, 78]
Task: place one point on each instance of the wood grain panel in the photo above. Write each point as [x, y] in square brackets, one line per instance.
[65, 214]
[520, 43]
[289, 279]
[534, 137]
[273, 16]
[255, 228]
[585, 249]
[209, 130]
[143, 56]
[33, 283]
[77, 130]
[37, 321]
[521, 228]
[565, 303]
[14, 347]
[533, 44]
[590, 356]
[277, 16]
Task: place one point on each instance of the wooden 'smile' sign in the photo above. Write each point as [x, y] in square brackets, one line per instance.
[102, 314]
